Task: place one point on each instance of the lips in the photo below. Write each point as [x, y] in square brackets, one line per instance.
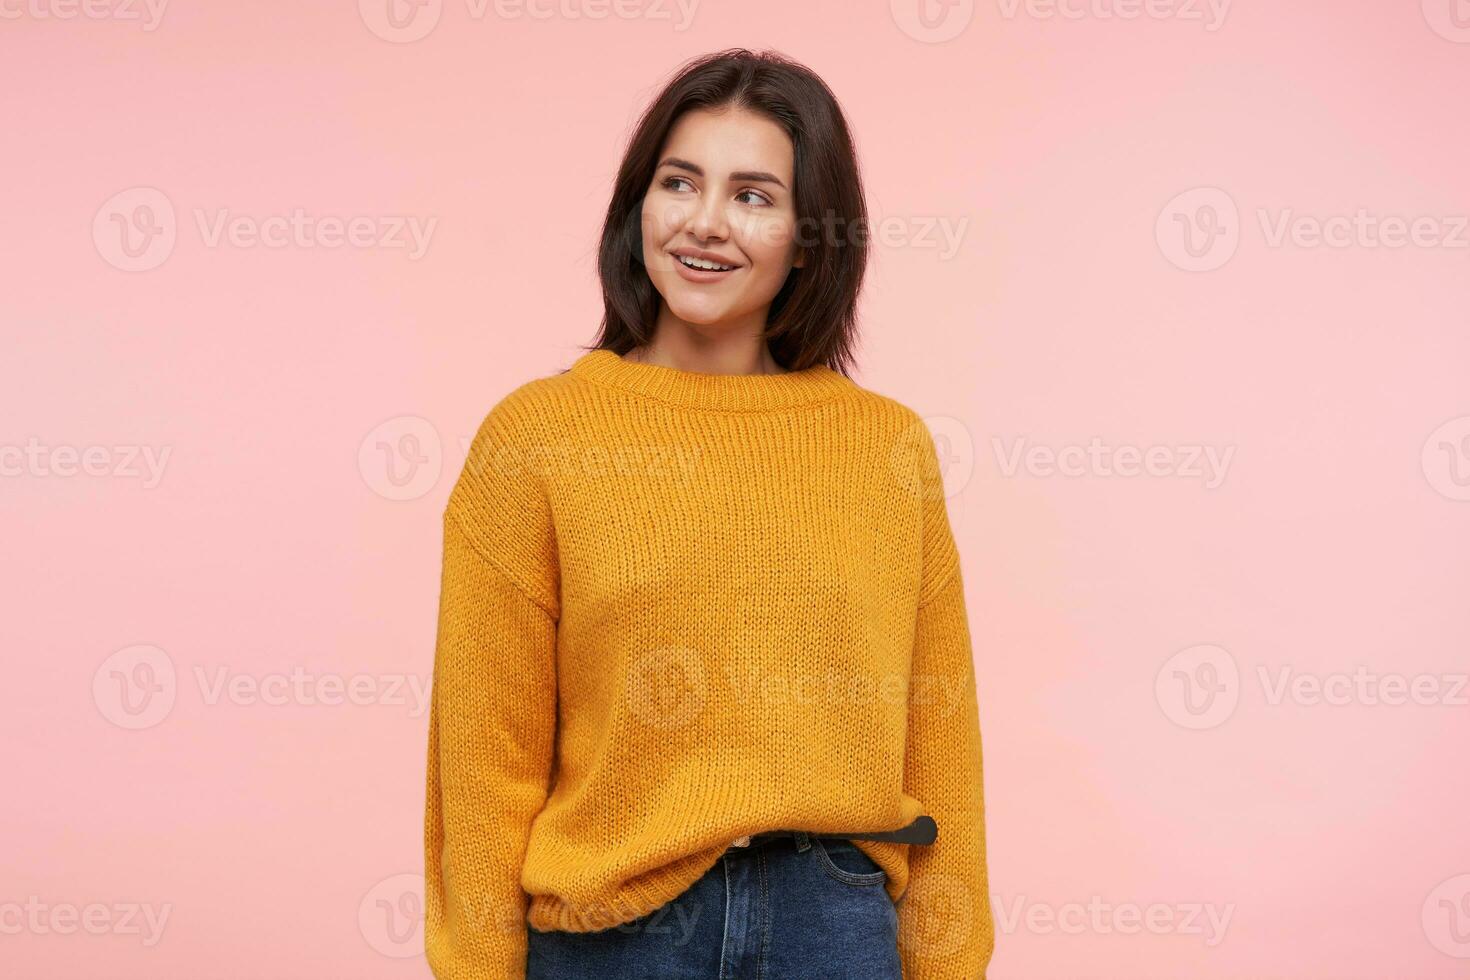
[690, 263]
[702, 255]
[691, 274]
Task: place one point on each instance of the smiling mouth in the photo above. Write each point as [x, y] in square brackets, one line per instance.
[700, 265]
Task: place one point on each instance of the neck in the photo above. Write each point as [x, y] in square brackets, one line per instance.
[723, 350]
[714, 390]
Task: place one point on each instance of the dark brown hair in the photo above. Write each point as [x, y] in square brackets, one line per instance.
[812, 317]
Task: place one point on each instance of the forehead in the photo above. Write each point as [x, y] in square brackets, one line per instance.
[731, 139]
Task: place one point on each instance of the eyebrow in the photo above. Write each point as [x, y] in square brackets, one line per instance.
[738, 175]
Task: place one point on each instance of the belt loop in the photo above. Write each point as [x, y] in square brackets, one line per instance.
[802, 843]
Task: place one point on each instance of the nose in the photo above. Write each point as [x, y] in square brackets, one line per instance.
[707, 219]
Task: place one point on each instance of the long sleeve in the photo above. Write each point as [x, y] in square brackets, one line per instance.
[492, 721]
[946, 929]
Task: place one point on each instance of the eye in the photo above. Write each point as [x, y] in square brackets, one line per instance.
[758, 199]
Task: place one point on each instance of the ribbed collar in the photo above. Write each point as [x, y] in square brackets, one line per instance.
[725, 392]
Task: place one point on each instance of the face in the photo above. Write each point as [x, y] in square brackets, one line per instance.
[723, 191]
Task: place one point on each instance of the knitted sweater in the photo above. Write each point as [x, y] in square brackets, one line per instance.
[677, 608]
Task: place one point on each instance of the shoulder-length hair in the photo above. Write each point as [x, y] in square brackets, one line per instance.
[812, 318]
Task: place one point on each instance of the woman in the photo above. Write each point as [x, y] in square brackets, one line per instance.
[703, 673]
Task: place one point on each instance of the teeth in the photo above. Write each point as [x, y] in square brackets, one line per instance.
[702, 264]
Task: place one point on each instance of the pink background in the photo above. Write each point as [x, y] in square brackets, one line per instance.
[283, 382]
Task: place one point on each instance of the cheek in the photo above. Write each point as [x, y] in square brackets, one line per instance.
[661, 217]
[769, 240]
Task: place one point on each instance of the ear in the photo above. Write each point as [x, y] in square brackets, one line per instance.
[800, 261]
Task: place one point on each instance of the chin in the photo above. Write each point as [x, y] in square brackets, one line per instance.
[699, 313]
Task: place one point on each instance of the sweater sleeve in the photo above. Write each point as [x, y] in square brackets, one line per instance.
[492, 719]
[946, 931]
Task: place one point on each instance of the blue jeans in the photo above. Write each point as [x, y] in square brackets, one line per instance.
[783, 908]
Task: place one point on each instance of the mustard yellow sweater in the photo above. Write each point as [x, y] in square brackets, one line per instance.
[677, 608]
